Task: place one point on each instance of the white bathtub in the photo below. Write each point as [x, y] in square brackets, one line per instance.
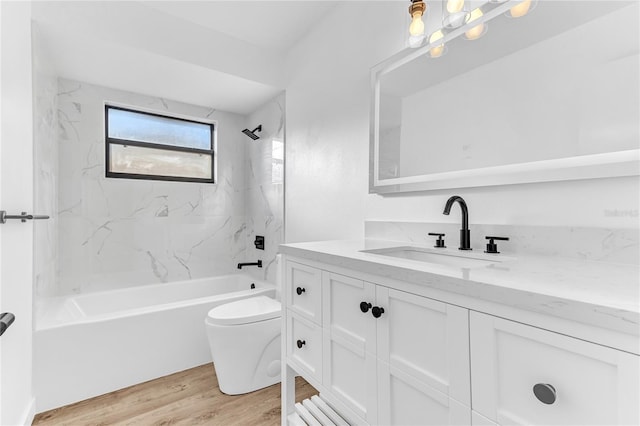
[95, 343]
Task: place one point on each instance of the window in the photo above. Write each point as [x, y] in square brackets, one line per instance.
[142, 145]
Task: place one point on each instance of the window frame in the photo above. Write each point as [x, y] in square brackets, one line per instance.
[126, 142]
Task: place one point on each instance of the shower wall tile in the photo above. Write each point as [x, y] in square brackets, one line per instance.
[264, 197]
[120, 232]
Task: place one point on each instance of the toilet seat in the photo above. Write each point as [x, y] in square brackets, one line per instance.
[245, 311]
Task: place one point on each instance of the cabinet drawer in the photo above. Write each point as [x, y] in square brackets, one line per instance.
[304, 344]
[525, 375]
[304, 291]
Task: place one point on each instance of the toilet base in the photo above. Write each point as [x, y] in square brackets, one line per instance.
[246, 357]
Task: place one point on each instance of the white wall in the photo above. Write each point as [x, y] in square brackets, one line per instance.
[328, 118]
[16, 195]
[328, 96]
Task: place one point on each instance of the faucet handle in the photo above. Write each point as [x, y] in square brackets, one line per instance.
[492, 247]
[439, 241]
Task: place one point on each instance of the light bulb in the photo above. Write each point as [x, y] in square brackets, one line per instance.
[416, 28]
[521, 9]
[437, 51]
[477, 31]
[454, 6]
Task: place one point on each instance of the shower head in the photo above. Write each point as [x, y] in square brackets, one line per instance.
[252, 133]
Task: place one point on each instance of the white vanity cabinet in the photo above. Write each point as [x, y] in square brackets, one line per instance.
[391, 357]
[529, 376]
[384, 352]
[303, 300]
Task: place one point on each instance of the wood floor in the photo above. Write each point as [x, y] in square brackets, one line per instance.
[190, 397]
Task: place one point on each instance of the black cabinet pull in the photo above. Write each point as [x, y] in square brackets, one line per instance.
[545, 393]
[300, 290]
[377, 311]
[301, 343]
[364, 307]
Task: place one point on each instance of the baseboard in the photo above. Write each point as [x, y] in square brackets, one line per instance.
[29, 413]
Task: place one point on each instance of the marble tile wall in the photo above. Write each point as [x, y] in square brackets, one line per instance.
[120, 232]
[45, 151]
[595, 244]
[264, 187]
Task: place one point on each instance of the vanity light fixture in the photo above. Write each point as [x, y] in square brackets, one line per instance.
[416, 28]
[438, 49]
[454, 14]
[521, 9]
[479, 30]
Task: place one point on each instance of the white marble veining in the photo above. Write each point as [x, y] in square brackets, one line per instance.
[597, 244]
[264, 194]
[120, 232]
[595, 293]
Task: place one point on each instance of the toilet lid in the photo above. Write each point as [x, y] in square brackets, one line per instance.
[245, 311]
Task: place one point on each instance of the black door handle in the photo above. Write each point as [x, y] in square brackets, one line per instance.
[6, 319]
[377, 311]
[300, 343]
[364, 307]
[300, 290]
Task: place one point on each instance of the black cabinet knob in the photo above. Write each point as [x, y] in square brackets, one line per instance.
[364, 307]
[377, 311]
[300, 290]
[300, 343]
[545, 393]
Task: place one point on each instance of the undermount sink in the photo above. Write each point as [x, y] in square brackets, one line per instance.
[433, 256]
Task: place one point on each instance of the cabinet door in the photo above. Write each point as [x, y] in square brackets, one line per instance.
[427, 340]
[349, 343]
[405, 400]
[303, 291]
[526, 375]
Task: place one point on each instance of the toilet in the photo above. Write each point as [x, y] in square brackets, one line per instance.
[244, 337]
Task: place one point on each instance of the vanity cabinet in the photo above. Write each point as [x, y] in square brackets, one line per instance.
[529, 376]
[303, 299]
[391, 357]
[386, 356]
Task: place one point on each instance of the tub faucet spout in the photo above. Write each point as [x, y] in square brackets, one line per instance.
[258, 264]
[465, 234]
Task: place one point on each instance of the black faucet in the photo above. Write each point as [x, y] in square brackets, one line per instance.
[258, 264]
[465, 234]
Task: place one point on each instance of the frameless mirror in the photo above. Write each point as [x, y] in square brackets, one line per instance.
[549, 96]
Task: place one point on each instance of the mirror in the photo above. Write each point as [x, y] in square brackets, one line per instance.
[549, 96]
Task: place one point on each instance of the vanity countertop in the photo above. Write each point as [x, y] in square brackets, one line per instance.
[596, 293]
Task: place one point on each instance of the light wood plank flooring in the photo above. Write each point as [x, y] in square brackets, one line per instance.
[190, 397]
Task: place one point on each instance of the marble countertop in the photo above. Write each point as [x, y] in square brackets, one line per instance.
[598, 293]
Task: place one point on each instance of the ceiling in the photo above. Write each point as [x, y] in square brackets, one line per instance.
[226, 55]
[276, 25]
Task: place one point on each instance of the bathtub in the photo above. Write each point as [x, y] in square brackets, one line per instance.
[91, 344]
